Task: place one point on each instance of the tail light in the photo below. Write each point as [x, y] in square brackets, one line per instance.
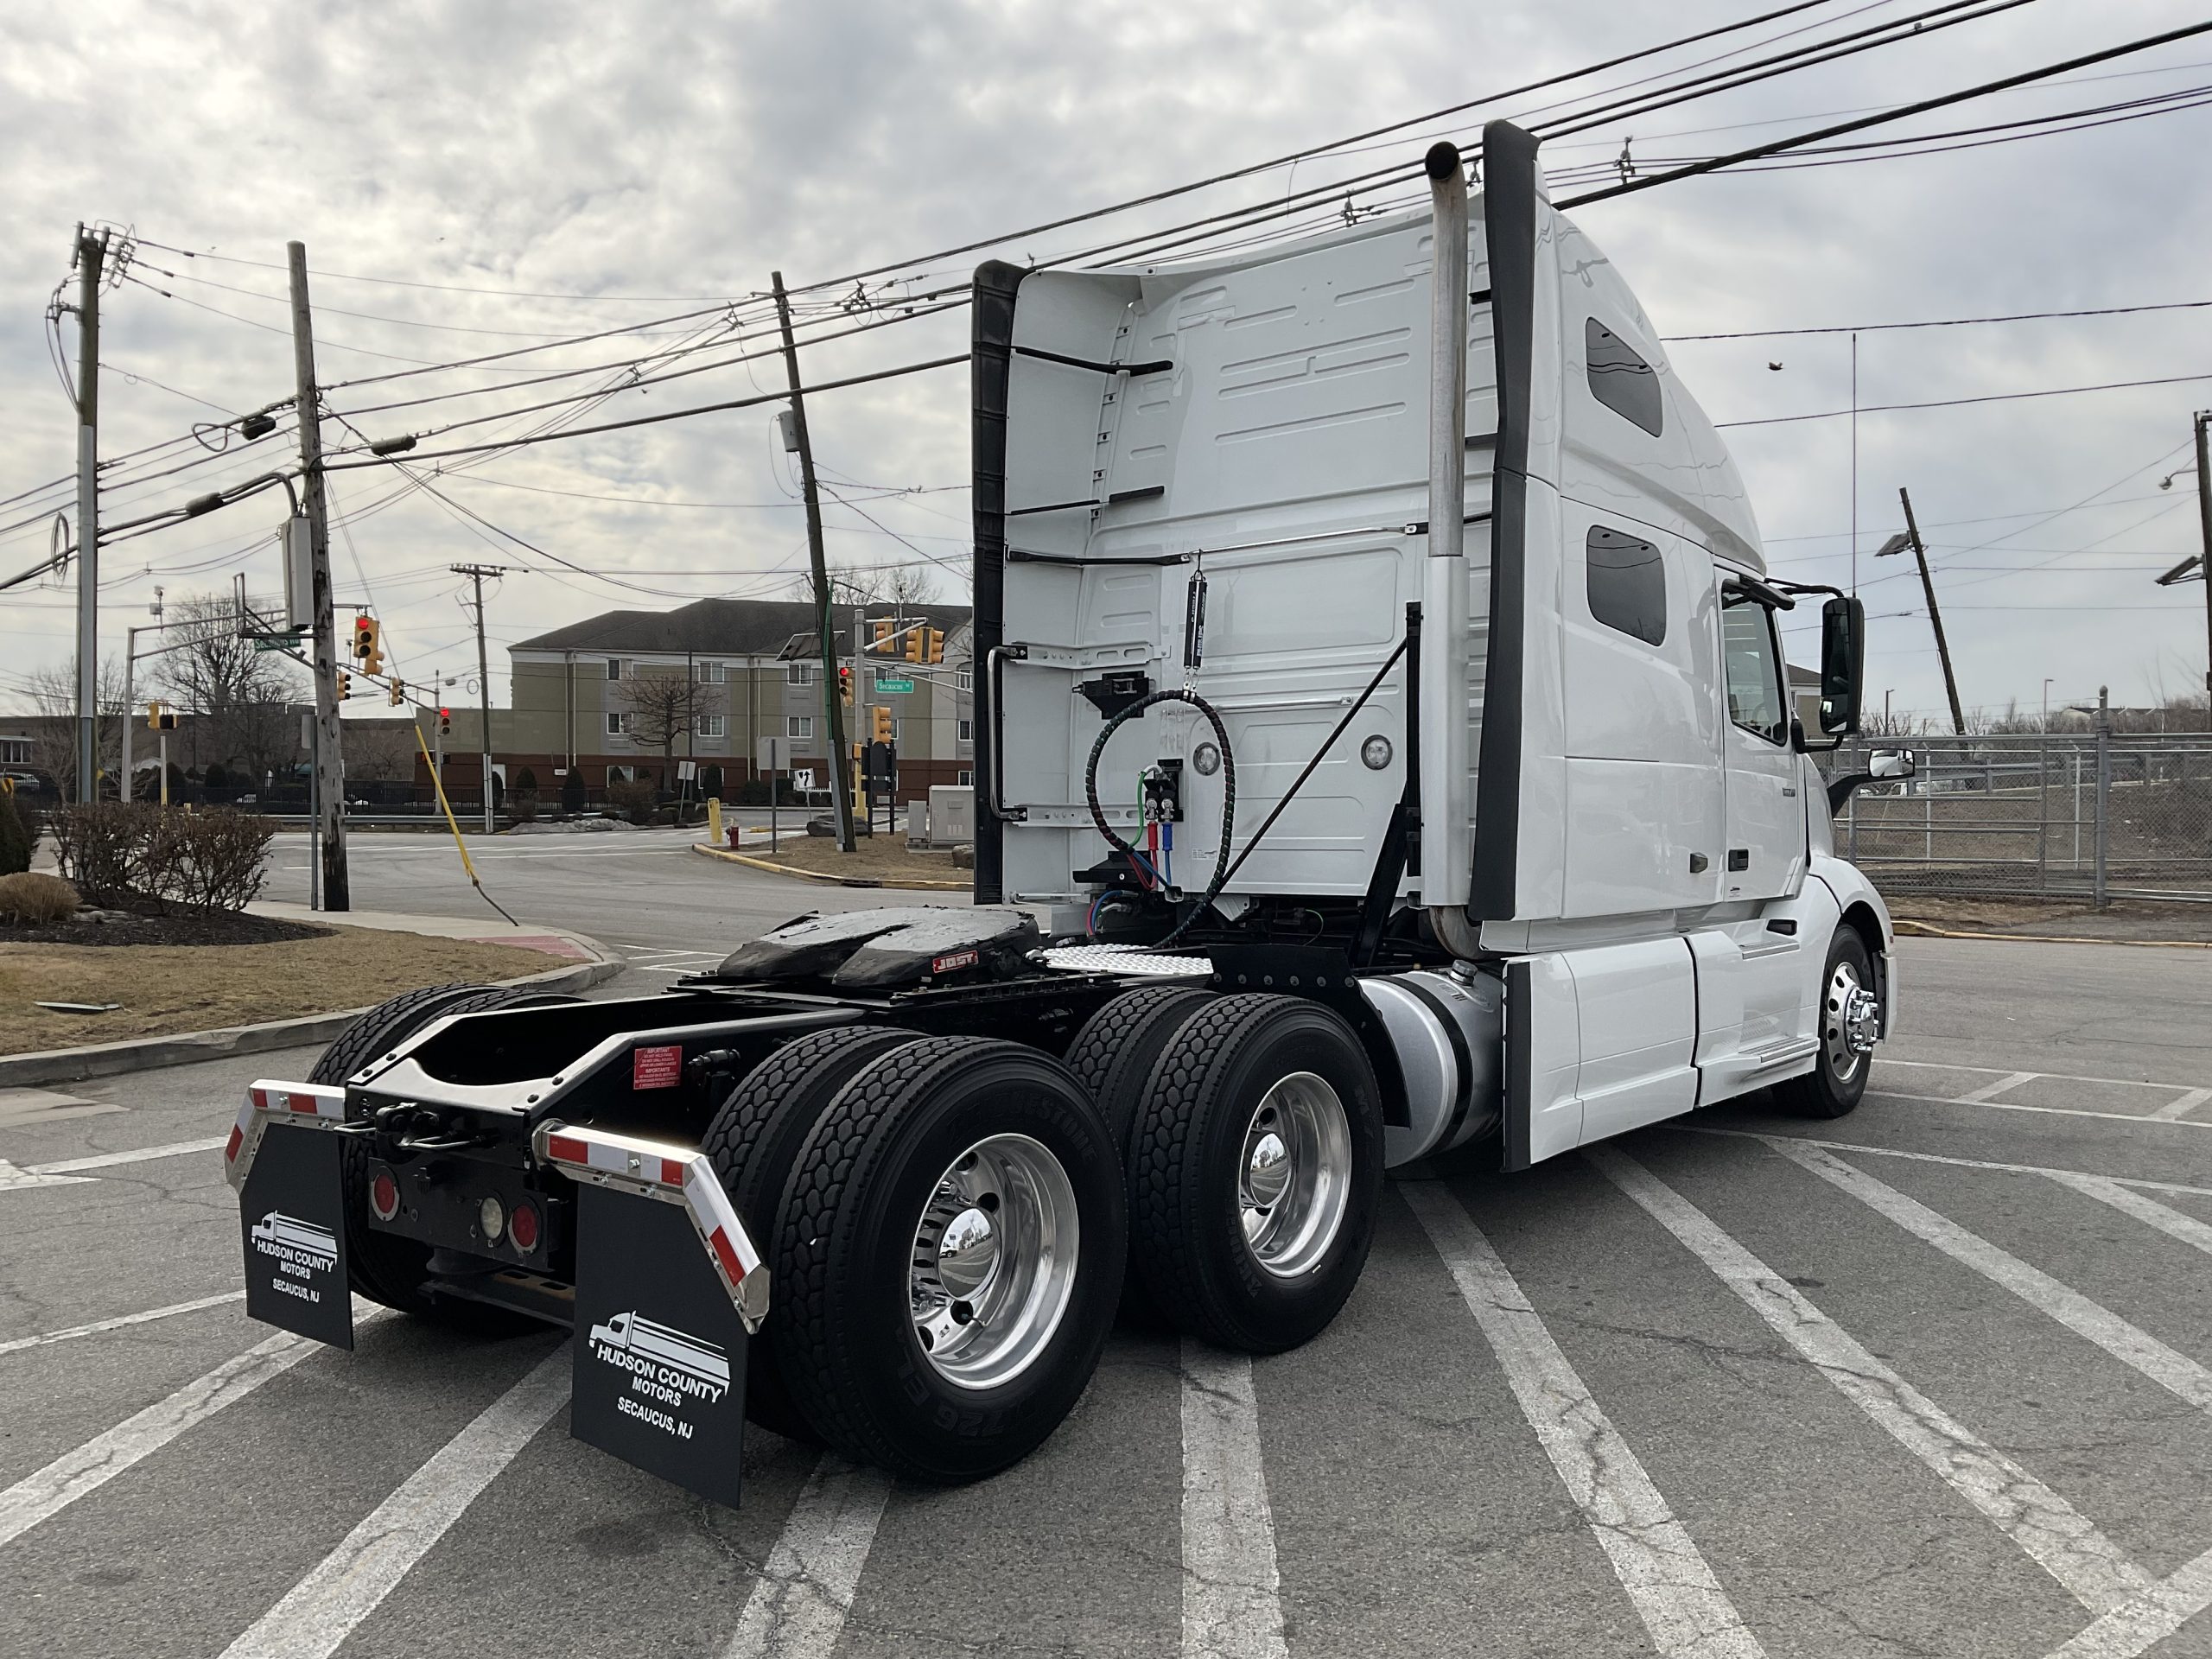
[522, 1227]
[383, 1194]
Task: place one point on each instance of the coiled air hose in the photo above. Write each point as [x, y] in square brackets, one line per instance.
[1221, 867]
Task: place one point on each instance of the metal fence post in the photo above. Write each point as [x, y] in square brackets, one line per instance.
[2103, 830]
[2042, 812]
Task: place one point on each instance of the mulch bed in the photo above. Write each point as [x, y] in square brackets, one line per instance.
[179, 924]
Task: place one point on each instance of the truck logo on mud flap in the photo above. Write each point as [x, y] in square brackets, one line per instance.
[667, 1368]
[299, 1249]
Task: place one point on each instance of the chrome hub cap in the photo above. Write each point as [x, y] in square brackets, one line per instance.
[1294, 1179]
[994, 1261]
[1850, 1020]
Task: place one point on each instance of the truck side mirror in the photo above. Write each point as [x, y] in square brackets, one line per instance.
[1891, 763]
[1843, 662]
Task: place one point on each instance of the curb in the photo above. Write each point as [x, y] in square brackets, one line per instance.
[1930, 931]
[763, 865]
[147, 1053]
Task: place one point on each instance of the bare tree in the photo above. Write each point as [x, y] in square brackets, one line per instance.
[664, 706]
[379, 752]
[53, 729]
[244, 696]
[904, 585]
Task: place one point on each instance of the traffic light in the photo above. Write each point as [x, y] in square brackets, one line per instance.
[914, 643]
[880, 727]
[445, 722]
[159, 719]
[368, 644]
[882, 640]
[343, 682]
[845, 684]
[399, 691]
[936, 653]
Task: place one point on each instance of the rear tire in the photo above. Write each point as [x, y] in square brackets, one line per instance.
[383, 1267]
[754, 1141]
[951, 1245]
[1257, 1169]
[1837, 1082]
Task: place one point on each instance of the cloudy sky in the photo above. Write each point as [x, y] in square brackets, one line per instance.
[476, 178]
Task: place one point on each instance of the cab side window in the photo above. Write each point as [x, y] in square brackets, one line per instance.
[1620, 379]
[1628, 585]
[1754, 669]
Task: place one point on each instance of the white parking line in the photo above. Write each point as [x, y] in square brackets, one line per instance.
[2147, 1620]
[100, 1459]
[1941, 1158]
[2052, 1111]
[136, 1155]
[2175, 1372]
[344, 1587]
[1232, 1605]
[2055, 1076]
[18, 1344]
[2053, 1534]
[2168, 1220]
[15, 1179]
[1990, 1090]
[2183, 1106]
[800, 1601]
[1682, 1604]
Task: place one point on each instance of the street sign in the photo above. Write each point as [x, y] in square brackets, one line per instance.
[279, 643]
[894, 687]
[686, 770]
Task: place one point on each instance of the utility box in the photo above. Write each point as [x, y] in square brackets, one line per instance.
[952, 815]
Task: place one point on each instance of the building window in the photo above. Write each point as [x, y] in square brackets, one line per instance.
[714, 673]
[711, 726]
[1620, 379]
[963, 679]
[615, 668]
[802, 673]
[967, 731]
[1753, 668]
[620, 722]
[1628, 585]
[966, 779]
[800, 728]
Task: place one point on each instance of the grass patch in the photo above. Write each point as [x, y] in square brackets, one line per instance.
[168, 990]
[876, 858]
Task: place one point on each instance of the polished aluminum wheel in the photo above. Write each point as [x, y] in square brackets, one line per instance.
[994, 1261]
[1850, 1019]
[1295, 1175]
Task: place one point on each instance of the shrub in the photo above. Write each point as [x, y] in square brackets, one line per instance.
[14, 837]
[115, 852]
[572, 791]
[526, 781]
[215, 776]
[633, 799]
[710, 781]
[36, 901]
[521, 805]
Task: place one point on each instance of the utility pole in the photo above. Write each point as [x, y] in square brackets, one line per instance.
[91, 257]
[476, 573]
[1935, 616]
[2205, 517]
[329, 756]
[841, 787]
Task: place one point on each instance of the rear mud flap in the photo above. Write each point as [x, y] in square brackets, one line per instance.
[659, 1345]
[292, 1217]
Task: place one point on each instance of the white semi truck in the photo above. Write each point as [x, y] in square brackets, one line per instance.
[1380, 700]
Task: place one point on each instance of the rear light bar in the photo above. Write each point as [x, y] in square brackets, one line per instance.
[310, 1105]
[654, 1169]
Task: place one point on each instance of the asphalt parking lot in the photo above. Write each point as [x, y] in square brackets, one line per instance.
[1935, 1379]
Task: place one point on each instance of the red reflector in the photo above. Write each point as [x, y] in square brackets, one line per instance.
[733, 1269]
[384, 1195]
[568, 1149]
[522, 1227]
[671, 1173]
[231, 1152]
[300, 1103]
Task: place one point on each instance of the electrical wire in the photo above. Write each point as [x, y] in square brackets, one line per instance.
[1943, 322]
[1954, 402]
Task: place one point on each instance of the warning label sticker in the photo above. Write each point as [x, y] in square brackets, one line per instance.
[657, 1068]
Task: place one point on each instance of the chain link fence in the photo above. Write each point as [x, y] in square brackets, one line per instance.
[2089, 816]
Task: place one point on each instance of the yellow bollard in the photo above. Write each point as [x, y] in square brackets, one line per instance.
[713, 822]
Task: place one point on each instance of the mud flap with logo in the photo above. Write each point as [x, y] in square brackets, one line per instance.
[292, 1215]
[659, 1345]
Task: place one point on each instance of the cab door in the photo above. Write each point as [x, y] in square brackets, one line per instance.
[1764, 855]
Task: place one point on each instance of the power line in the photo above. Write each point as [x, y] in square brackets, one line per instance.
[1945, 322]
[1954, 402]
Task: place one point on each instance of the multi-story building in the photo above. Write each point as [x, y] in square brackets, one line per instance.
[627, 694]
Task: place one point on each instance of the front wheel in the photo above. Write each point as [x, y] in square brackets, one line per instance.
[1850, 1020]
